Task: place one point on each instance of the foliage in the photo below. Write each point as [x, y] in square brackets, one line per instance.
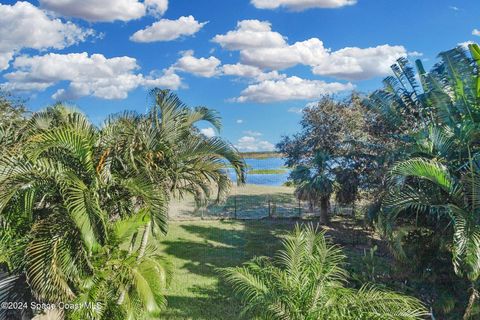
[370, 262]
[306, 280]
[313, 184]
[351, 136]
[434, 187]
[73, 199]
[412, 149]
[12, 119]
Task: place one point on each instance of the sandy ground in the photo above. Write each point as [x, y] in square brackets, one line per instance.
[245, 202]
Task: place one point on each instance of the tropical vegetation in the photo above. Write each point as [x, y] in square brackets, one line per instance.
[306, 280]
[74, 197]
[434, 186]
[410, 151]
[84, 209]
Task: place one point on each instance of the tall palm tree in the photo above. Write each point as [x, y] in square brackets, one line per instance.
[438, 178]
[53, 191]
[430, 185]
[165, 145]
[306, 280]
[68, 194]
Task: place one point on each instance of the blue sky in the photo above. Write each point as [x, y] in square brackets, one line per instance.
[257, 62]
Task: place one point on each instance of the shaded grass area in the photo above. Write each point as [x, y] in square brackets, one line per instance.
[198, 248]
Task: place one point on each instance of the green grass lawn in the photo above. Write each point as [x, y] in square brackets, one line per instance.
[198, 248]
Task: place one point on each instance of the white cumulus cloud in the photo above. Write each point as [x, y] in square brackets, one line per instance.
[208, 132]
[106, 10]
[94, 75]
[156, 7]
[167, 30]
[299, 5]
[476, 32]
[250, 34]
[359, 64]
[263, 48]
[308, 52]
[246, 71]
[253, 144]
[165, 79]
[291, 88]
[202, 67]
[23, 25]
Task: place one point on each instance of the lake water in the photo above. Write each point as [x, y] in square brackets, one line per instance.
[264, 179]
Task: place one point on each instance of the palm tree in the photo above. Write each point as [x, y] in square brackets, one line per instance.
[306, 280]
[315, 185]
[72, 188]
[53, 192]
[52, 185]
[430, 186]
[165, 145]
[138, 279]
[438, 178]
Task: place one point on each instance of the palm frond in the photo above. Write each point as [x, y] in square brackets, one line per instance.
[53, 261]
[306, 281]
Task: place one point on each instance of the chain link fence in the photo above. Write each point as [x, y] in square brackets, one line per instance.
[250, 202]
[266, 195]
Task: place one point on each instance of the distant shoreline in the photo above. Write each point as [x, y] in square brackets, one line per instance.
[261, 155]
[267, 171]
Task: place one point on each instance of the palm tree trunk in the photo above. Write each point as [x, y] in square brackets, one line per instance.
[324, 204]
[471, 303]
